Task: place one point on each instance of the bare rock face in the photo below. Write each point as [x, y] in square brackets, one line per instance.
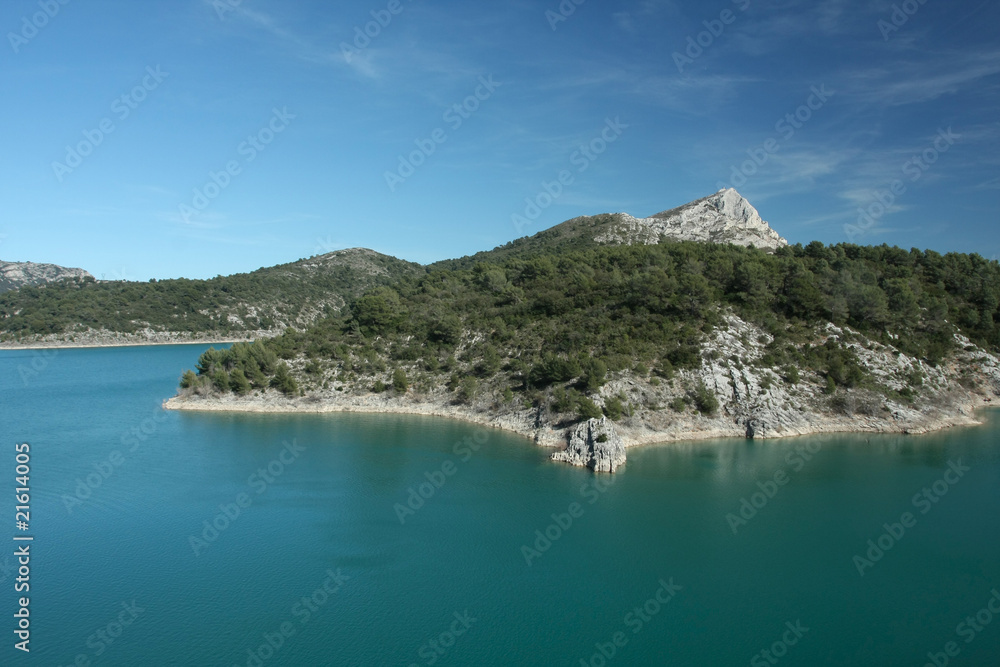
[18, 274]
[725, 217]
[594, 444]
[756, 428]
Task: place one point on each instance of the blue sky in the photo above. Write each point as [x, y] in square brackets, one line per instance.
[117, 115]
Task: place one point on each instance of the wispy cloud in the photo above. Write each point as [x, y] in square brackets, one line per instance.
[914, 82]
[285, 38]
[992, 184]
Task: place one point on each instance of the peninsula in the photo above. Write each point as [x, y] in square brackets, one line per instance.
[611, 331]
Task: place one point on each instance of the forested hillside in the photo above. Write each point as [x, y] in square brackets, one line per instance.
[267, 299]
[554, 327]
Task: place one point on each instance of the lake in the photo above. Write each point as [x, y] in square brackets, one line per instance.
[166, 538]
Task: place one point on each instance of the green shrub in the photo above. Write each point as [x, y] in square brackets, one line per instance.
[467, 389]
[587, 409]
[399, 382]
[665, 369]
[564, 400]
[594, 374]
[283, 381]
[613, 408]
[705, 401]
[188, 379]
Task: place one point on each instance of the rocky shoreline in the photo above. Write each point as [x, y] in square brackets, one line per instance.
[753, 401]
[581, 444]
[94, 338]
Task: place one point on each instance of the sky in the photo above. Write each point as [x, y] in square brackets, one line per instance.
[195, 138]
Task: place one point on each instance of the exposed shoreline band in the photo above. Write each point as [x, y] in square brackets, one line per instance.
[551, 436]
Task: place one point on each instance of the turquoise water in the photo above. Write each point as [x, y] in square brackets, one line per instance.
[117, 580]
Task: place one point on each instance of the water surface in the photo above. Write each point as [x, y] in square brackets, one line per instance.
[329, 513]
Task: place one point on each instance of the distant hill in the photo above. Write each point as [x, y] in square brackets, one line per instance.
[263, 302]
[14, 275]
[268, 301]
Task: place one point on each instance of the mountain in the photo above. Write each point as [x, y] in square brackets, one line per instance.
[724, 217]
[14, 275]
[257, 304]
[596, 347]
[267, 301]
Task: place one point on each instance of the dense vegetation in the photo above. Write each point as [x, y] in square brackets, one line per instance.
[573, 235]
[556, 324]
[264, 299]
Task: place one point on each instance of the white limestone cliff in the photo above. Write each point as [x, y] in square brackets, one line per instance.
[725, 217]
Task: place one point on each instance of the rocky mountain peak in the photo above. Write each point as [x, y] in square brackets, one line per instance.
[724, 217]
[19, 274]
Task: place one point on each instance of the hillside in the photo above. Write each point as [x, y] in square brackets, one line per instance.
[266, 302]
[262, 303]
[15, 275]
[675, 340]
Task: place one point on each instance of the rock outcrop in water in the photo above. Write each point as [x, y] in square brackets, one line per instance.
[594, 444]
